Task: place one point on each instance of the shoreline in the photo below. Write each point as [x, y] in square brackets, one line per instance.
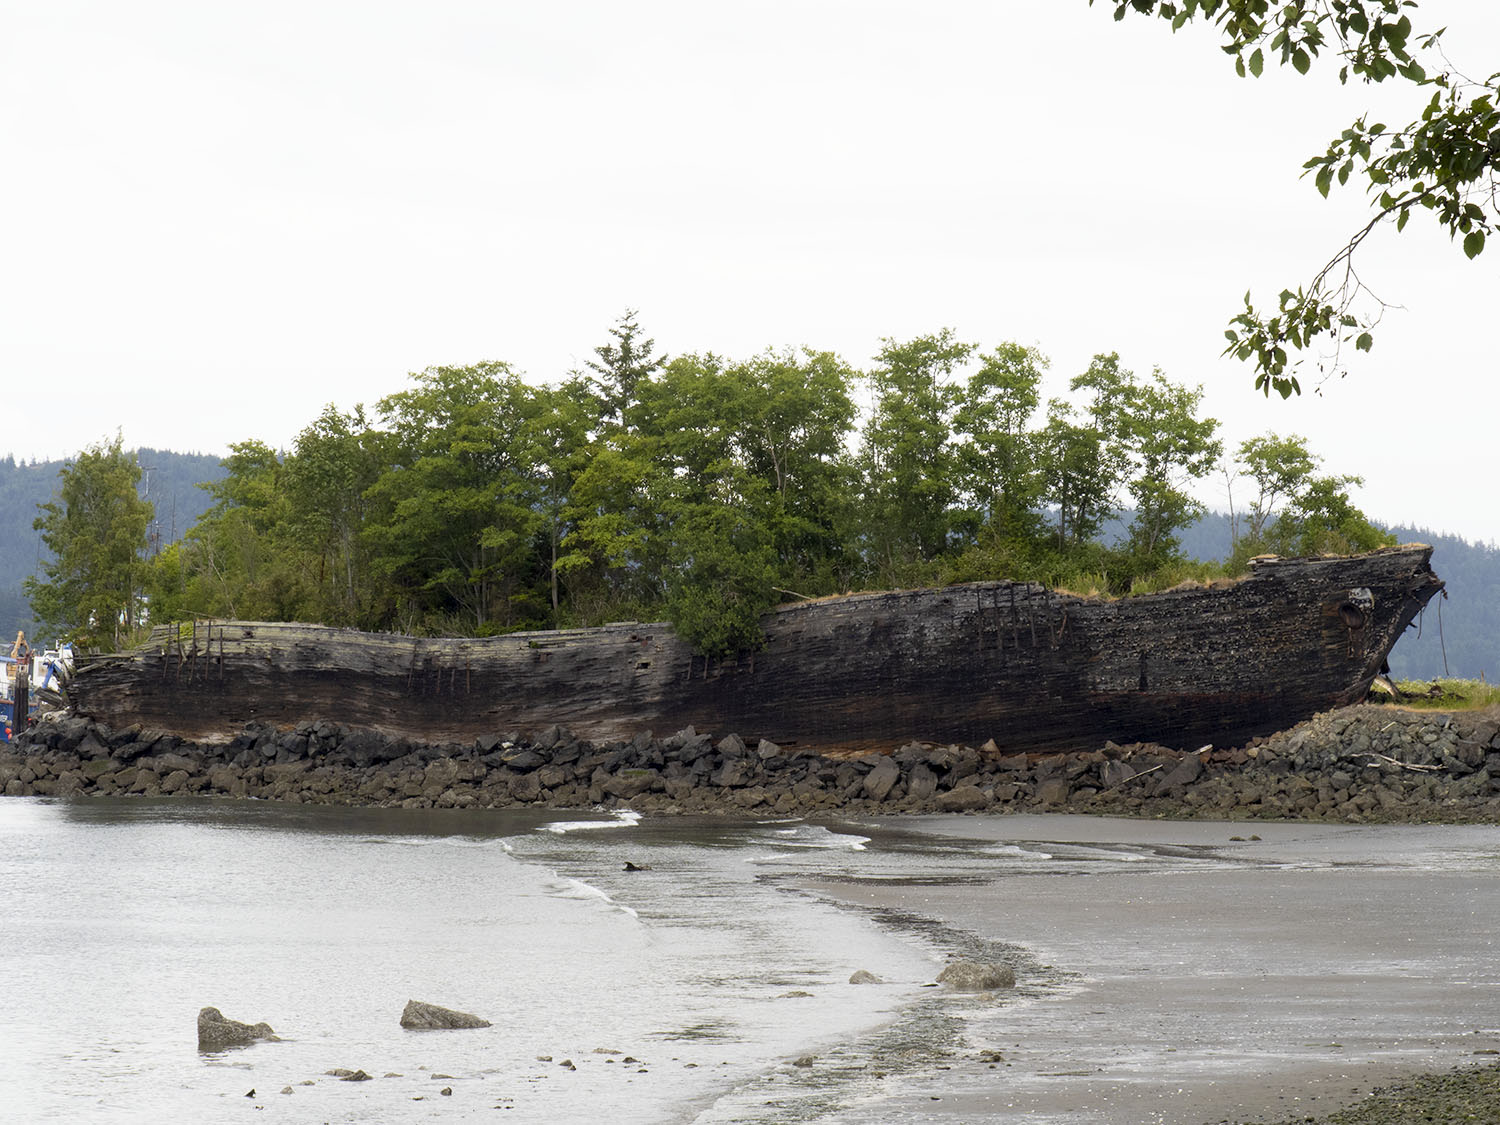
[1367, 763]
[1285, 978]
[1363, 765]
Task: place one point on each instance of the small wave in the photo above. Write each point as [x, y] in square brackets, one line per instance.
[816, 836]
[625, 818]
[580, 891]
[1014, 850]
[439, 841]
[474, 842]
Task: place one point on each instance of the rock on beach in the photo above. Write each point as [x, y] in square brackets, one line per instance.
[973, 976]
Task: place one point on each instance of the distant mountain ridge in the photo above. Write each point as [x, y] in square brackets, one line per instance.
[1459, 636]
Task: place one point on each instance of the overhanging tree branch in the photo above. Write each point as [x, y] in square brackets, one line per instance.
[1446, 162]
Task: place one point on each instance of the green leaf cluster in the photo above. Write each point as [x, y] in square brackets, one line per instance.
[1445, 163]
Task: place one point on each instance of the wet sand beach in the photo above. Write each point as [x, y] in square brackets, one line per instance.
[1213, 979]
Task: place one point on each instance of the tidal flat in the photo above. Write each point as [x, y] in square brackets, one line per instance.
[697, 969]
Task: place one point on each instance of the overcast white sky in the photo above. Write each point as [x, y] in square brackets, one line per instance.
[217, 218]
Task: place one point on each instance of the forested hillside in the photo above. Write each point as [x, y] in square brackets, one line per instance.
[1458, 635]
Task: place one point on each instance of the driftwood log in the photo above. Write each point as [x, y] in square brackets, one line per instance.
[1016, 663]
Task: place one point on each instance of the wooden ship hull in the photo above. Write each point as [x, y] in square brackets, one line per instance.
[1028, 667]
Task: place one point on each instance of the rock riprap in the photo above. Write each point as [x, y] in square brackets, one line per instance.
[1358, 764]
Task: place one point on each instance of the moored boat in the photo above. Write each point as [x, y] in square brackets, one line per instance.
[31, 686]
[1013, 662]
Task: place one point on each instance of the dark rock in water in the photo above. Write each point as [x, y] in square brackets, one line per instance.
[418, 1016]
[972, 976]
[216, 1033]
[636, 866]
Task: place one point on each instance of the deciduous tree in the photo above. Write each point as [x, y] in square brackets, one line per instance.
[907, 457]
[95, 530]
[998, 454]
[455, 520]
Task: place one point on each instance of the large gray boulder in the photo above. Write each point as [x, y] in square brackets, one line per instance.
[418, 1016]
[966, 798]
[216, 1033]
[973, 976]
[882, 778]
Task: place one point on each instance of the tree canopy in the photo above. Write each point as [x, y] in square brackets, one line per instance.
[473, 502]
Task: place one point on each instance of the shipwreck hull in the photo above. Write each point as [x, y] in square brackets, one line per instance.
[1030, 668]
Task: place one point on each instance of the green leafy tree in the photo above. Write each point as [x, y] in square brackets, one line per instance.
[725, 482]
[95, 530]
[239, 559]
[1171, 447]
[612, 556]
[907, 459]
[1084, 462]
[1295, 510]
[791, 418]
[561, 448]
[1074, 481]
[1322, 520]
[998, 454]
[720, 583]
[621, 366]
[1280, 468]
[709, 526]
[333, 463]
[454, 522]
[1444, 164]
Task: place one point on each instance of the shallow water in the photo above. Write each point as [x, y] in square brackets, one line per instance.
[685, 991]
[123, 918]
